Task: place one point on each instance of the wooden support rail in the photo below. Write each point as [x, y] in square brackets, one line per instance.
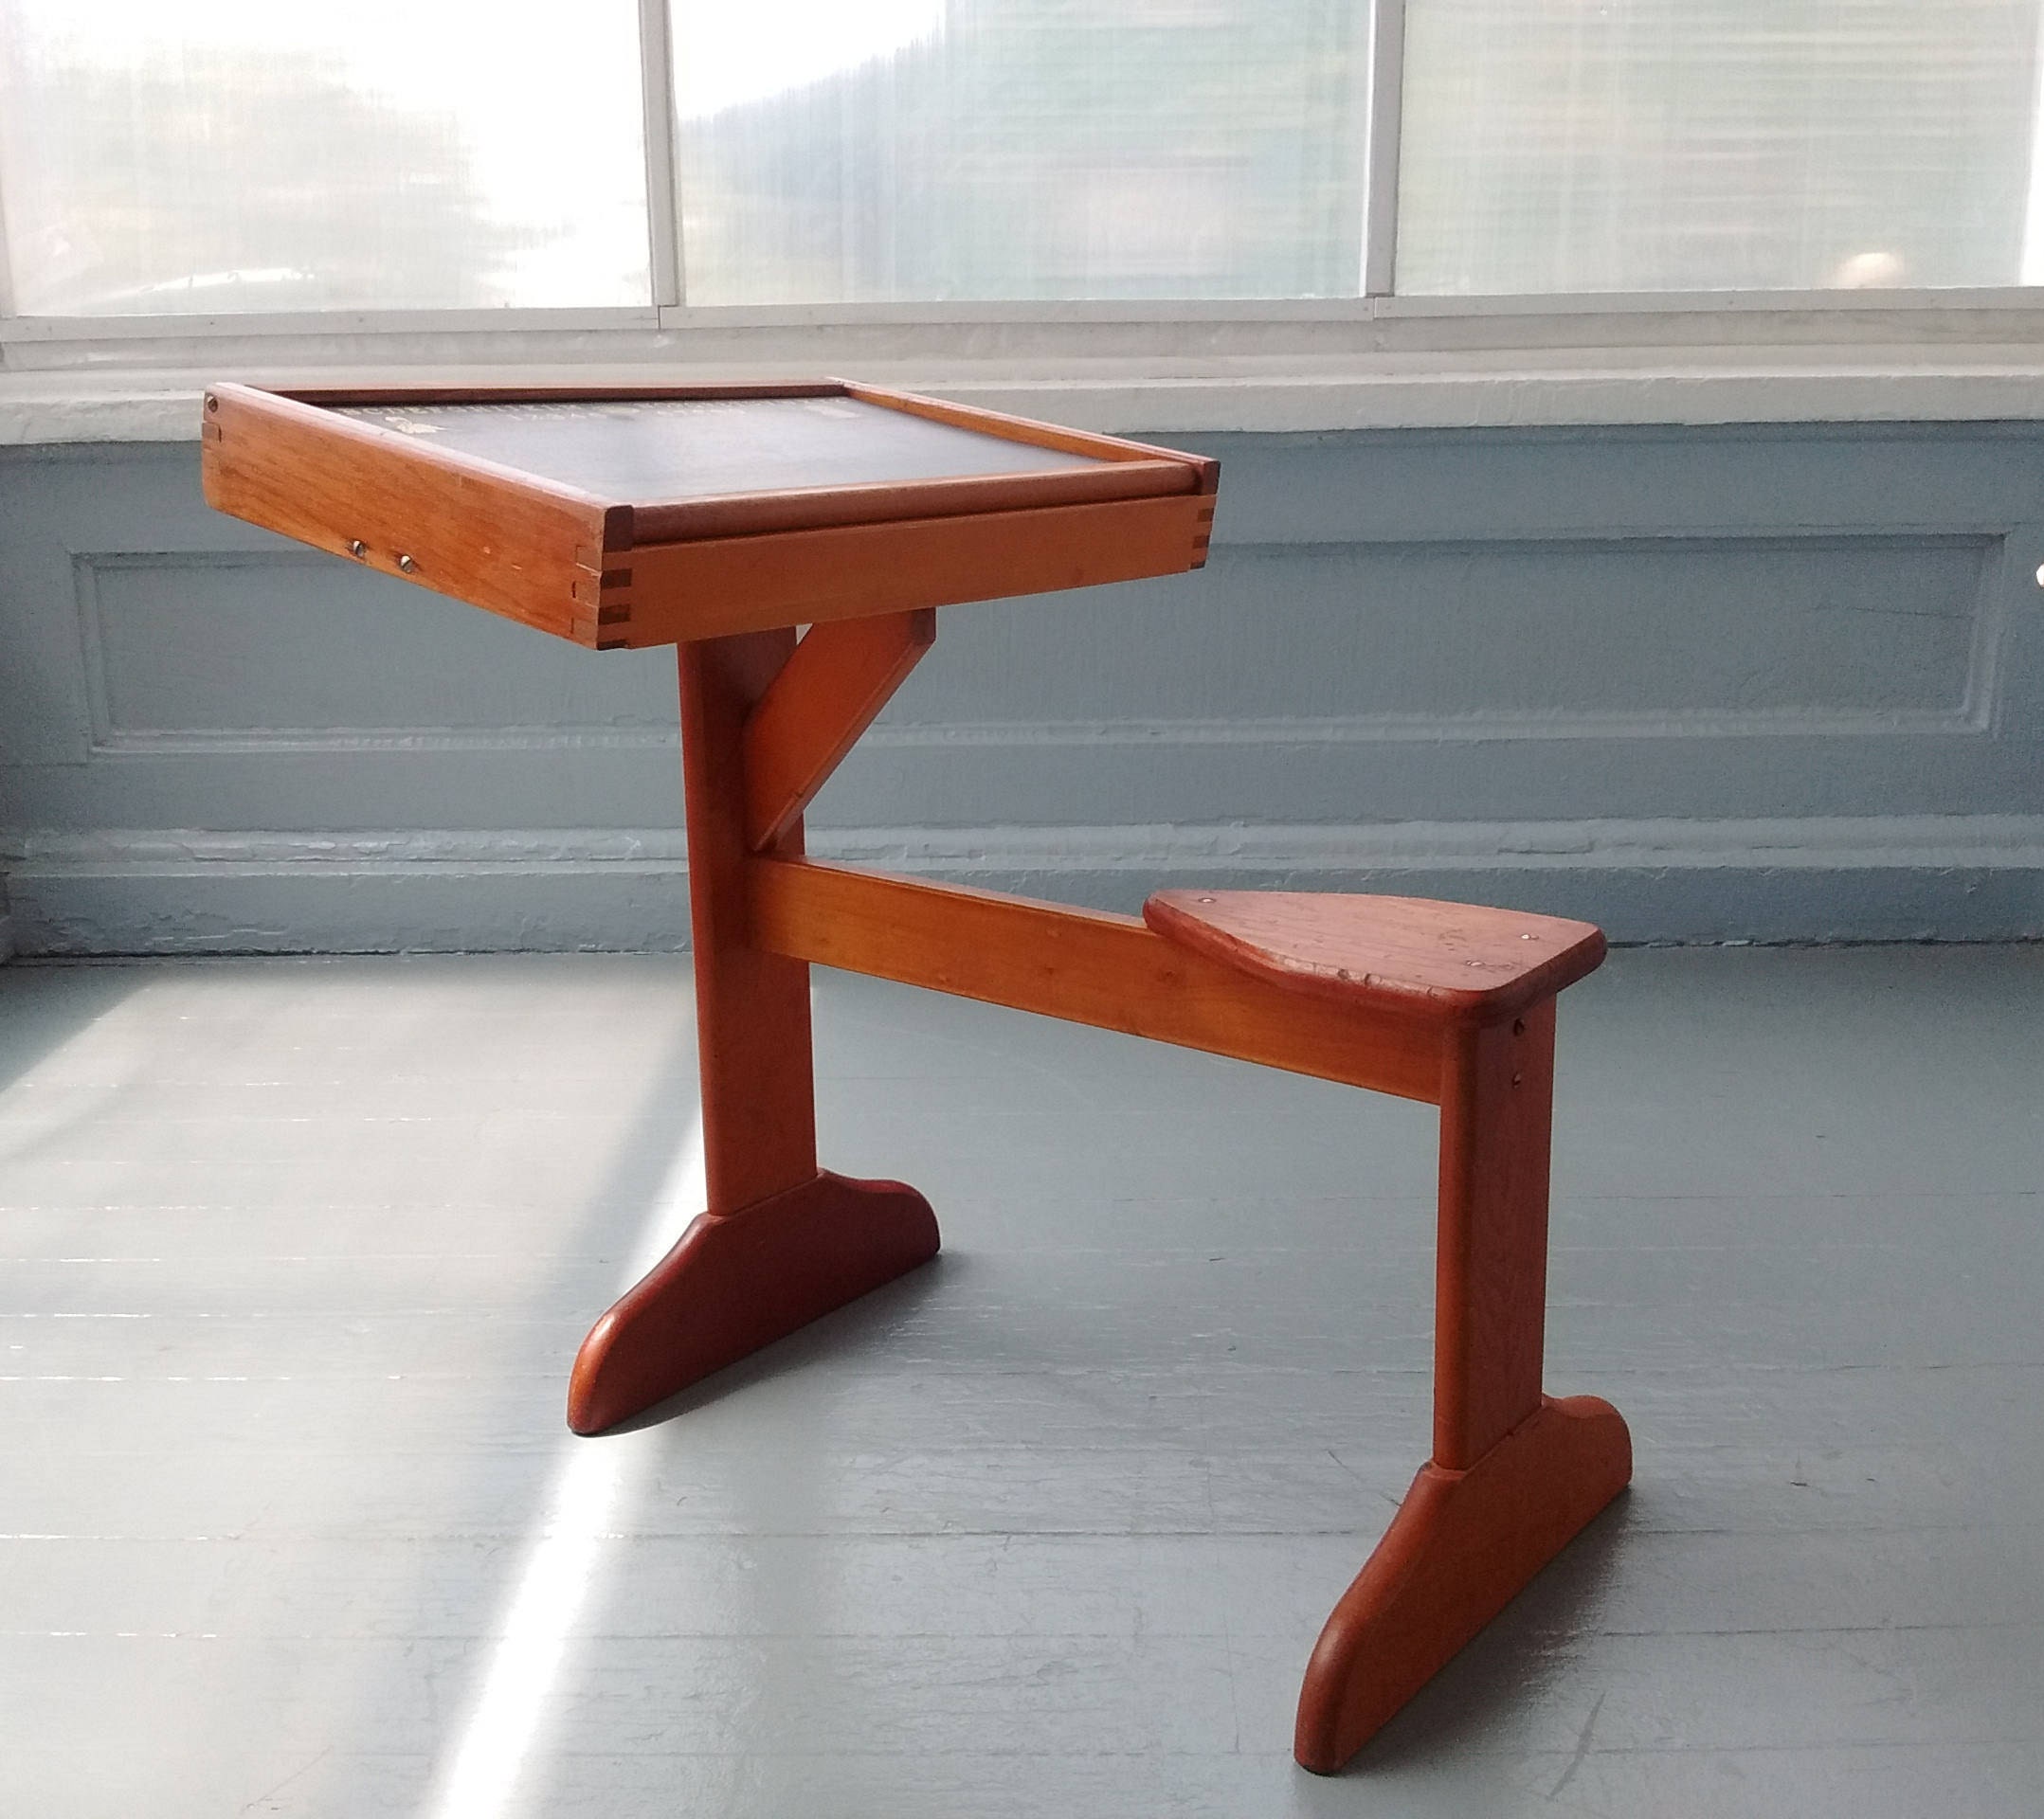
[1082, 965]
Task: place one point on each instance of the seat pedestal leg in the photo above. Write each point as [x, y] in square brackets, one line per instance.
[1514, 1474]
[1462, 1547]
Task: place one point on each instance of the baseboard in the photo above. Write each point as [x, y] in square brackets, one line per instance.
[169, 891]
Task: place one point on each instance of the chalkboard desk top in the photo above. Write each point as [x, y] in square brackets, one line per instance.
[621, 518]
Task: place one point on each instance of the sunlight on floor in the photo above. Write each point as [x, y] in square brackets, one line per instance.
[481, 1773]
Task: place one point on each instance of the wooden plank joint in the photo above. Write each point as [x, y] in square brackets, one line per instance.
[1082, 965]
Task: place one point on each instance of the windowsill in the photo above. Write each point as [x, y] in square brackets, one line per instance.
[1433, 391]
[1372, 364]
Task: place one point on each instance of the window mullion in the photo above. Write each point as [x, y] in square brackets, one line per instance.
[7, 282]
[664, 224]
[1386, 86]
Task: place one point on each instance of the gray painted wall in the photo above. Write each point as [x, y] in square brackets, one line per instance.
[1759, 683]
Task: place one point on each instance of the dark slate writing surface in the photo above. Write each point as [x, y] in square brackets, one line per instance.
[640, 451]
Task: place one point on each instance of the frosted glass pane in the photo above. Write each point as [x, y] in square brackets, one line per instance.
[176, 156]
[961, 148]
[1596, 145]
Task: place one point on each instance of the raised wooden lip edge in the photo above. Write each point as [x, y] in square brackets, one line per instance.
[834, 508]
[1125, 470]
[613, 519]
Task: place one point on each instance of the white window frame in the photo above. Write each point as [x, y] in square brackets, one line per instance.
[1307, 364]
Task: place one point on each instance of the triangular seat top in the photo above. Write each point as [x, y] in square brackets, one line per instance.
[1461, 962]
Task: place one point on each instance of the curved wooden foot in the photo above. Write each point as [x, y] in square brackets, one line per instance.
[738, 1281]
[1462, 1545]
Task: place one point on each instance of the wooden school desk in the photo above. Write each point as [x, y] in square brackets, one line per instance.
[724, 519]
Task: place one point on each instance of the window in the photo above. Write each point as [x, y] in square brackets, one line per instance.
[1023, 149]
[659, 161]
[1650, 145]
[161, 159]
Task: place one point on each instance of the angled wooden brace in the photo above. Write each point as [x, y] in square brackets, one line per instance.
[836, 680]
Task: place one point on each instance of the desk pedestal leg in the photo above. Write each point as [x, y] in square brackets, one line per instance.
[1514, 1474]
[782, 1242]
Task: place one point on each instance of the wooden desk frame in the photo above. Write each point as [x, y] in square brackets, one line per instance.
[764, 719]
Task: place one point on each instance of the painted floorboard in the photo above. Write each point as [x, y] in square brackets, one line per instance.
[294, 1254]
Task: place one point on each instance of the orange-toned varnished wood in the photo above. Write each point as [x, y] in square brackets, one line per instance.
[1490, 1264]
[1497, 1094]
[739, 1282]
[686, 558]
[1083, 966]
[752, 1007]
[781, 1243]
[1462, 1547]
[513, 545]
[1512, 1478]
[1457, 961]
[674, 591]
[1027, 429]
[749, 514]
[839, 677]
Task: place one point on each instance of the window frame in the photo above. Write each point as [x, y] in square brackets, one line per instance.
[1284, 339]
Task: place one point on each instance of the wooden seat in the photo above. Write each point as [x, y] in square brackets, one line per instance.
[1457, 962]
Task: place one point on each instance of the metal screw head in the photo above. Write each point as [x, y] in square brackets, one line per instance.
[2040, 574]
[407, 564]
[358, 549]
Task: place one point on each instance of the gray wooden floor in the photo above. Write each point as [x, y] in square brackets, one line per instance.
[296, 1254]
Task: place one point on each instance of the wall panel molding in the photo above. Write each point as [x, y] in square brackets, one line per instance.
[184, 890]
[182, 590]
[1734, 682]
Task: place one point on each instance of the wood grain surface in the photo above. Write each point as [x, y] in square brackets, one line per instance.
[1490, 1261]
[1462, 1547]
[676, 591]
[1464, 962]
[753, 1037]
[621, 519]
[835, 680]
[739, 1281]
[1027, 429]
[499, 539]
[1083, 966]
